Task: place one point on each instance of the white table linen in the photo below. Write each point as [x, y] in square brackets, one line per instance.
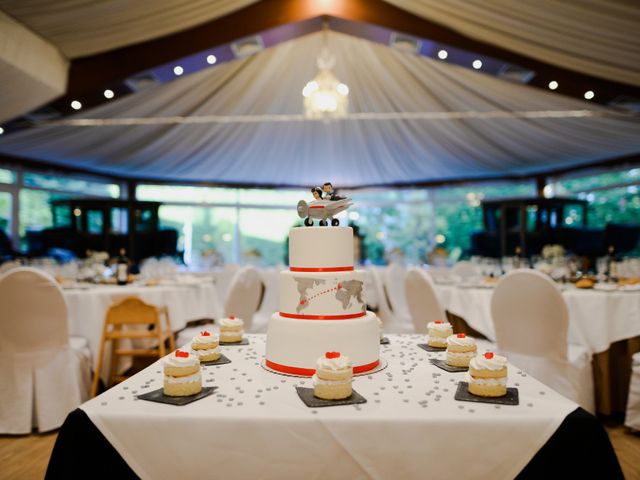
[87, 307]
[596, 318]
[255, 426]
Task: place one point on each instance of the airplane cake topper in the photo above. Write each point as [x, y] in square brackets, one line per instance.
[325, 206]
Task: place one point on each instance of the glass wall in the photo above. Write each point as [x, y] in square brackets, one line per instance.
[217, 225]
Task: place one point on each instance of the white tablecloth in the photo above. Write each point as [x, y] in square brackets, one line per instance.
[255, 426]
[87, 306]
[596, 318]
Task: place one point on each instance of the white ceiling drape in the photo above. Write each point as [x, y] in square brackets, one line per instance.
[80, 27]
[596, 37]
[32, 71]
[235, 148]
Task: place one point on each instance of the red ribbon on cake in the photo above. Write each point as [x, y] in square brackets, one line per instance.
[323, 317]
[308, 372]
[322, 269]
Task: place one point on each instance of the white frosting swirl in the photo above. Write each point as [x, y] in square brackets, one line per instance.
[173, 361]
[498, 362]
[233, 334]
[231, 322]
[439, 326]
[460, 342]
[188, 379]
[487, 381]
[341, 363]
[461, 354]
[321, 381]
[209, 351]
[213, 337]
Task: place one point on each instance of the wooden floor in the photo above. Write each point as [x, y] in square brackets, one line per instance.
[26, 457]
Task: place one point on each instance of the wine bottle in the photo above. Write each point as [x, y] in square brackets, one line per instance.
[122, 268]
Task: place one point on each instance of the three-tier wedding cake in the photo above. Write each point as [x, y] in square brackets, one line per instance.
[322, 305]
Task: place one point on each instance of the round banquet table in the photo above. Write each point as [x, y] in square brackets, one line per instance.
[88, 305]
[596, 318]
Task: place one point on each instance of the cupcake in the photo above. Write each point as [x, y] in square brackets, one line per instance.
[460, 350]
[206, 346]
[488, 375]
[437, 333]
[231, 329]
[182, 374]
[332, 380]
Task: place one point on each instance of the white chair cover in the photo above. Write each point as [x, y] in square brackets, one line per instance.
[395, 277]
[384, 312]
[42, 377]
[422, 299]
[224, 278]
[245, 295]
[532, 322]
[465, 270]
[632, 418]
[271, 299]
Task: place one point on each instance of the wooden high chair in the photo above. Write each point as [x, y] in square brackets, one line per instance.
[132, 319]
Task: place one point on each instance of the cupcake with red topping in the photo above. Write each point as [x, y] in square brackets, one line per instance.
[488, 375]
[460, 350]
[333, 377]
[231, 329]
[206, 346]
[437, 333]
[182, 374]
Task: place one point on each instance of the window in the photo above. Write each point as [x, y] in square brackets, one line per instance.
[183, 194]
[263, 234]
[71, 185]
[7, 176]
[202, 231]
[5, 213]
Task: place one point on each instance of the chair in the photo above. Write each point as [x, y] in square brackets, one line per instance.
[246, 292]
[43, 378]
[224, 278]
[632, 417]
[465, 270]
[422, 299]
[133, 320]
[532, 322]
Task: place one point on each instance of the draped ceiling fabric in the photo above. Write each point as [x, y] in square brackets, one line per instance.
[32, 71]
[81, 28]
[596, 37]
[241, 145]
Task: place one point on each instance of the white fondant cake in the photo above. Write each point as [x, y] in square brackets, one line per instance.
[321, 305]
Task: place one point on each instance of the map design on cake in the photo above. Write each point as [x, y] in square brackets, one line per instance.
[345, 292]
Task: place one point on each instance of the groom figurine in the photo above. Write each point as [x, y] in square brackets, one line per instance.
[329, 194]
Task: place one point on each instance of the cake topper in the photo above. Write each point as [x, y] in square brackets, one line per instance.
[325, 205]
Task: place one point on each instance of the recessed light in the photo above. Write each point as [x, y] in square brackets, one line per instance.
[178, 70]
[76, 105]
[589, 94]
[211, 59]
[108, 93]
[443, 54]
[477, 64]
[553, 85]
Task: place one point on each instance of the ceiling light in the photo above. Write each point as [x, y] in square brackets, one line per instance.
[1, 130]
[589, 94]
[108, 93]
[211, 59]
[178, 70]
[477, 64]
[443, 54]
[553, 85]
[76, 105]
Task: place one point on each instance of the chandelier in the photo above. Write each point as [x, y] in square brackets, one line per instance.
[325, 96]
